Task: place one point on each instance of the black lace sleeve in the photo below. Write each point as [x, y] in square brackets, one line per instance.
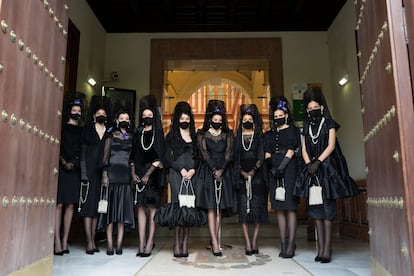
[229, 149]
[260, 151]
[106, 153]
[205, 155]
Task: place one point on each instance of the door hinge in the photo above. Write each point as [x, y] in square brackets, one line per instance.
[404, 23]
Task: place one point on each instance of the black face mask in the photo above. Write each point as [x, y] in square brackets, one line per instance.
[123, 124]
[279, 121]
[216, 126]
[75, 116]
[101, 119]
[184, 125]
[147, 121]
[315, 115]
[248, 125]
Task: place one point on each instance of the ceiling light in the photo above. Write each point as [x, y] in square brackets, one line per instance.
[92, 81]
[343, 80]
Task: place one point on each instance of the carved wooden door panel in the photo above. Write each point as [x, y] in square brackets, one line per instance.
[386, 95]
[32, 70]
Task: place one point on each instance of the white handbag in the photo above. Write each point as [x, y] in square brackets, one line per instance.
[315, 192]
[103, 202]
[188, 198]
[280, 192]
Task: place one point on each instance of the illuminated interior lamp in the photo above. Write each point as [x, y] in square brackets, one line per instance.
[91, 81]
[343, 80]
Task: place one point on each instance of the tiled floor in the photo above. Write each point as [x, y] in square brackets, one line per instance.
[350, 256]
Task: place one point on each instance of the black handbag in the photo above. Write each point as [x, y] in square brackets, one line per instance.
[167, 215]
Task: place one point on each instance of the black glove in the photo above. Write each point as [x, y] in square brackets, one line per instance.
[147, 175]
[280, 170]
[134, 177]
[313, 167]
[277, 173]
[105, 179]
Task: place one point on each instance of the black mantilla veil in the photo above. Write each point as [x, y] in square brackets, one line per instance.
[258, 136]
[314, 94]
[99, 102]
[257, 119]
[215, 107]
[150, 102]
[280, 103]
[67, 108]
[182, 108]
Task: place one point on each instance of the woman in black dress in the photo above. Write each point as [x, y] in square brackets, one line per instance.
[324, 160]
[182, 160]
[116, 178]
[281, 142]
[146, 160]
[69, 175]
[93, 138]
[249, 175]
[215, 143]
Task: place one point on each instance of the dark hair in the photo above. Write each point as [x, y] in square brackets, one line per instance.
[215, 107]
[182, 108]
[314, 94]
[252, 110]
[280, 103]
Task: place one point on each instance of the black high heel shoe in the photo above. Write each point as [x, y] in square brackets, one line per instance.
[255, 251]
[90, 252]
[66, 251]
[217, 254]
[318, 259]
[249, 252]
[58, 253]
[325, 260]
[109, 252]
[287, 255]
[118, 251]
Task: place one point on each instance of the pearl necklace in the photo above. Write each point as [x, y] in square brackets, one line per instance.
[251, 141]
[214, 133]
[315, 137]
[152, 140]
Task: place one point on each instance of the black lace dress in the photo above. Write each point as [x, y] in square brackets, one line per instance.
[120, 196]
[91, 165]
[277, 143]
[252, 198]
[216, 153]
[148, 148]
[180, 154]
[332, 173]
[70, 150]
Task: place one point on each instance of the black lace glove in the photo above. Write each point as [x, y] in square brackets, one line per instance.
[105, 179]
[313, 167]
[147, 175]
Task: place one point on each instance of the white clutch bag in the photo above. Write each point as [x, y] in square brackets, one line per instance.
[315, 193]
[280, 193]
[103, 206]
[103, 203]
[188, 198]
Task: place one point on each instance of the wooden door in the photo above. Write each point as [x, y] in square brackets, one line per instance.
[387, 108]
[32, 69]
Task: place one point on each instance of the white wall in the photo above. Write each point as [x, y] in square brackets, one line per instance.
[91, 48]
[346, 100]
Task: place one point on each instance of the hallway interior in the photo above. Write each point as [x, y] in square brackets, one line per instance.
[350, 256]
